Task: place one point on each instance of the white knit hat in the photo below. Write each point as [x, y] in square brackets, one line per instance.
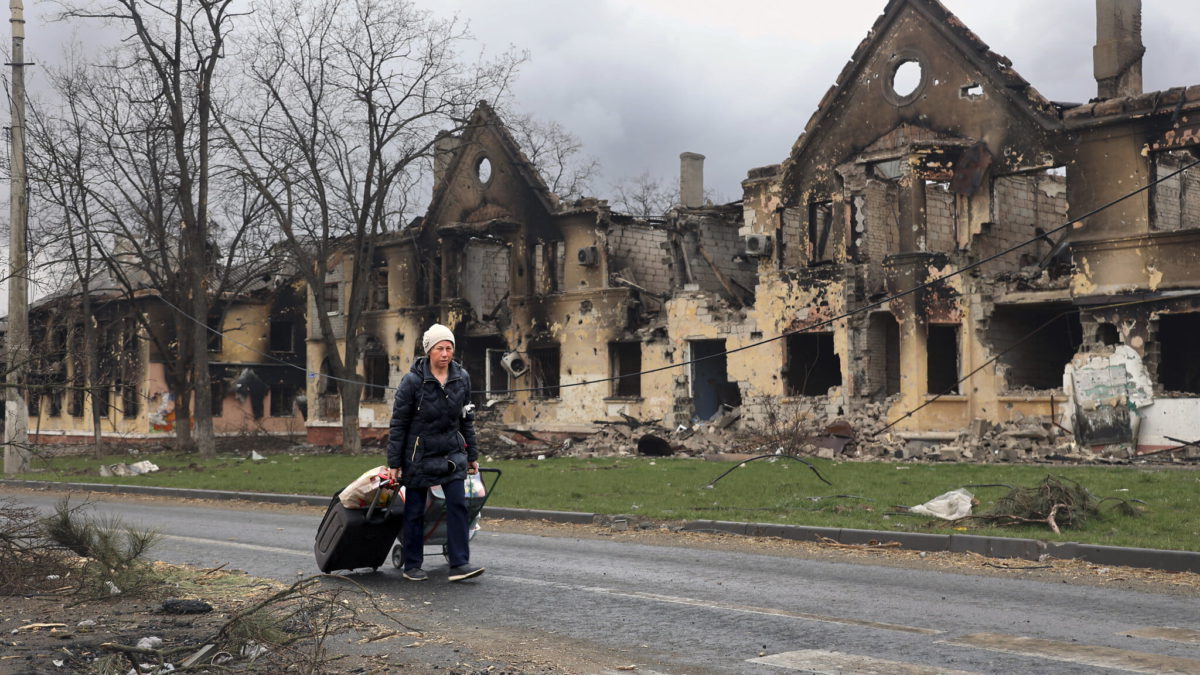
[436, 333]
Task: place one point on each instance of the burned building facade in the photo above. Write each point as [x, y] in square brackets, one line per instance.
[921, 231]
[942, 243]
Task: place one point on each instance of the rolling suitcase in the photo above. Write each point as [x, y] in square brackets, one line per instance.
[348, 539]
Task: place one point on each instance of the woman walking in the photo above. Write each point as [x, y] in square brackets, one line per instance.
[432, 442]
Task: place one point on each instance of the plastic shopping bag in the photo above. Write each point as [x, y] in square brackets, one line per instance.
[360, 493]
[475, 489]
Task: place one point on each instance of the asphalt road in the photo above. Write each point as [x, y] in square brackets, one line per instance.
[679, 610]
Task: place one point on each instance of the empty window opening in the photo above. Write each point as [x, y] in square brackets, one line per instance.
[283, 398]
[883, 355]
[711, 388]
[820, 223]
[131, 400]
[942, 359]
[1107, 335]
[544, 371]
[812, 366]
[1179, 360]
[282, 337]
[625, 359]
[378, 292]
[483, 170]
[217, 387]
[971, 91]
[906, 78]
[548, 266]
[482, 357]
[1034, 359]
[497, 381]
[215, 332]
[375, 376]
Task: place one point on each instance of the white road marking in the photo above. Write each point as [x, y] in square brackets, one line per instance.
[745, 609]
[1088, 655]
[1184, 635]
[838, 663]
[236, 544]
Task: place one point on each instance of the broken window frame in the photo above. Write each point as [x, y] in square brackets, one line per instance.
[377, 286]
[625, 365]
[545, 366]
[820, 227]
[281, 393]
[494, 372]
[792, 367]
[375, 376]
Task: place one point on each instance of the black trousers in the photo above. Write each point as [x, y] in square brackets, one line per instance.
[457, 527]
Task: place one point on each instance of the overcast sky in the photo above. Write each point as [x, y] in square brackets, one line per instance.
[639, 81]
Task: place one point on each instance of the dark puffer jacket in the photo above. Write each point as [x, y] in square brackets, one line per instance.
[432, 436]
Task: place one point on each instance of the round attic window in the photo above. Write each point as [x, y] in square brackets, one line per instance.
[483, 170]
[906, 78]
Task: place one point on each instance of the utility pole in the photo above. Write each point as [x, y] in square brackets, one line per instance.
[16, 413]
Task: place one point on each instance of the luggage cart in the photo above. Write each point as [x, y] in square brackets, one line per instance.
[435, 517]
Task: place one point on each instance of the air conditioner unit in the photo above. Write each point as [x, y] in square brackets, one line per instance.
[588, 256]
[756, 245]
[514, 363]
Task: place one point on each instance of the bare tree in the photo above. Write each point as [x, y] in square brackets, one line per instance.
[644, 196]
[555, 153]
[342, 107]
[175, 48]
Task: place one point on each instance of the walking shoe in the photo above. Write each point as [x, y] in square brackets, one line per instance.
[464, 572]
[415, 574]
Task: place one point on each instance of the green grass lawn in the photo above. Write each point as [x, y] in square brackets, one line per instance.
[763, 491]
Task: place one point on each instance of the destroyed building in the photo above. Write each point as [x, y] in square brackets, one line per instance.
[256, 362]
[942, 246]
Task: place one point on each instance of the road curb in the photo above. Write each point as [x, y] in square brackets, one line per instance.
[993, 547]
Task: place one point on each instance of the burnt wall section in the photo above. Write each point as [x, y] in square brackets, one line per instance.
[714, 255]
[1175, 202]
[485, 273]
[639, 255]
[1023, 207]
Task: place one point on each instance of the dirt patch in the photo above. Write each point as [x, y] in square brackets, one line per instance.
[62, 634]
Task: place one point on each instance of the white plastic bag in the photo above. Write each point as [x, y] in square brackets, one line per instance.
[360, 493]
[949, 506]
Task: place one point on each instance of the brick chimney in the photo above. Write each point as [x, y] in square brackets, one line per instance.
[1117, 56]
[691, 180]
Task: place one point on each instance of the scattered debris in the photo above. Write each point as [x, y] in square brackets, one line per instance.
[135, 469]
[951, 505]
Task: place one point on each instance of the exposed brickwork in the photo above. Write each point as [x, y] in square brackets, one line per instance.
[638, 254]
[1022, 204]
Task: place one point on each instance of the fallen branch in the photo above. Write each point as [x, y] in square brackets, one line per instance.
[871, 545]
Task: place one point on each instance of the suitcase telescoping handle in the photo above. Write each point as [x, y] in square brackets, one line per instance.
[385, 485]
